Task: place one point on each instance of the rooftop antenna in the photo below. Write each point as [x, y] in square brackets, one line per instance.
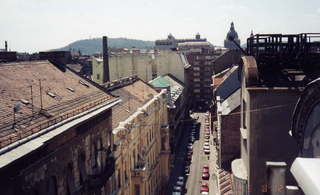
[41, 106]
[31, 98]
[16, 108]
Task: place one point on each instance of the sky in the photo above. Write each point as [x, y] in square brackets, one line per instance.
[37, 25]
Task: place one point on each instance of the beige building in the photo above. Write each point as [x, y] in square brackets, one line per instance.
[146, 64]
[141, 138]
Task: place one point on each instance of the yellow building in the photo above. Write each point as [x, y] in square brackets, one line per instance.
[141, 139]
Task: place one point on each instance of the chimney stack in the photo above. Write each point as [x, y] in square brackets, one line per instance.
[6, 46]
[106, 77]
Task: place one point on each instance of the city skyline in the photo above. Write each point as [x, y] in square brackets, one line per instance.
[41, 25]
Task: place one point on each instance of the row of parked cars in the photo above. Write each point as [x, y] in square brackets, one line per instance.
[179, 186]
[204, 189]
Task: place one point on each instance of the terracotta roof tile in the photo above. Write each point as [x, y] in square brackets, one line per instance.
[70, 97]
[133, 96]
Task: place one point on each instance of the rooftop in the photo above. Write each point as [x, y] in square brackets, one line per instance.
[62, 95]
[176, 86]
[133, 96]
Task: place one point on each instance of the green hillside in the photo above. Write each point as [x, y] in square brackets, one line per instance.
[90, 46]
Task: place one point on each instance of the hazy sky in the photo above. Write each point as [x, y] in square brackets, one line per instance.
[34, 25]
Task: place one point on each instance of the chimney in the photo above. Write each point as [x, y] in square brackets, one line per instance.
[5, 46]
[105, 60]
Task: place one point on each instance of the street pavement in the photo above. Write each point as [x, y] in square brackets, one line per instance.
[193, 181]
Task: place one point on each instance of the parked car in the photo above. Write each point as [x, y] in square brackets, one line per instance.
[205, 169]
[205, 176]
[204, 187]
[180, 183]
[206, 151]
[176, 193]
[180, 178]
[177, 189]
[187, 170]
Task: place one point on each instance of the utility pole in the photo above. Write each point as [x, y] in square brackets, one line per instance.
[31, 98]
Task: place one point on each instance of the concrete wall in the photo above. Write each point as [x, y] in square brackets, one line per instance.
[269, 115]
[97, 71]
[145, 66]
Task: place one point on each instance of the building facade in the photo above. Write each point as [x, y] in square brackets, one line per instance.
[141, 137]
[55, 132]
[199, 75]
[177, 106]
[172, 43]
[146, 64]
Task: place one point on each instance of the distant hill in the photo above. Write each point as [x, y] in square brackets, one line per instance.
[90, 46]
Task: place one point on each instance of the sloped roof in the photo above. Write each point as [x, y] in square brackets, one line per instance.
[133, 96]
[230, 83]
[160, 82]
[168, 80]
[63, 95]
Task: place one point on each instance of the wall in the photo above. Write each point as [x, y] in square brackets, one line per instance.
[226, 60]
[269, 117]
[71, 162]
[145, 66]
[230, 138]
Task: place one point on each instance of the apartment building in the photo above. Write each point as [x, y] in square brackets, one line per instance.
[55, 132]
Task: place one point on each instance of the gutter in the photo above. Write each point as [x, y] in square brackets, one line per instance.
[98, 109]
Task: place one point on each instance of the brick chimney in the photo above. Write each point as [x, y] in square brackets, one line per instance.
[106, 77]
[6, 46]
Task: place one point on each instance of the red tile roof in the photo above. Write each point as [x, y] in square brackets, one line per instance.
[72, 95]
[133, 96]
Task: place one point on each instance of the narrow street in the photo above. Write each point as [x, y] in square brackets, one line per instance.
[198, 160]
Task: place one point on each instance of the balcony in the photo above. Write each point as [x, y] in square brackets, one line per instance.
[140, 169]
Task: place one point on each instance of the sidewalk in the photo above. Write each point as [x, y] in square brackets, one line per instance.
[213, 166]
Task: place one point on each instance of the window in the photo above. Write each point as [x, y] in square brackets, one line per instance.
[98, 76]
[137, 189]
[196, 74]
[196, 80]
[119, 180]
[244, 107]
[196, 68]
[196, 90]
